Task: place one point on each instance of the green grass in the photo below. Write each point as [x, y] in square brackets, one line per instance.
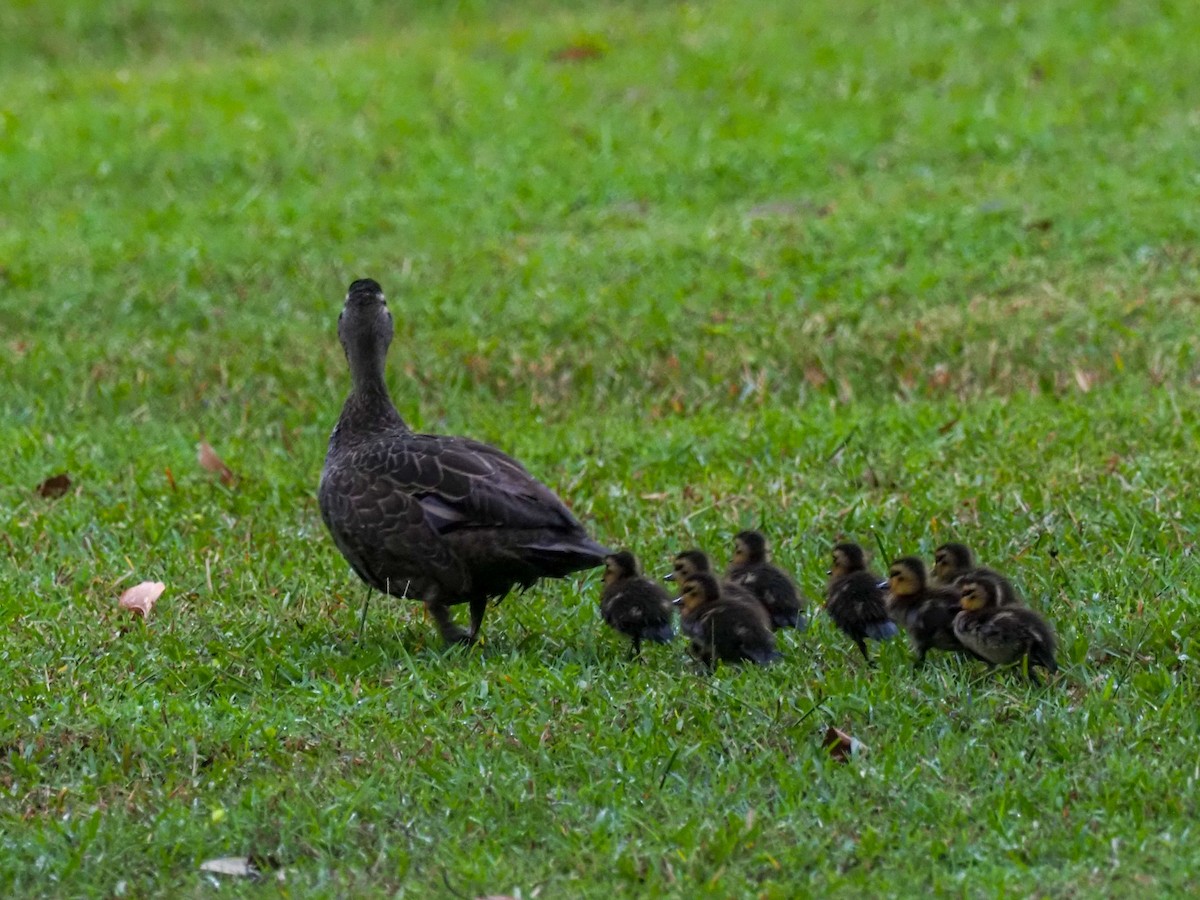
[901, 272]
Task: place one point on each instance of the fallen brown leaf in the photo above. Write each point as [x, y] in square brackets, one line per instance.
[140, 598]
[209, 461]
[581, 52]
[939, 378]
[840, 745]
[55, 486]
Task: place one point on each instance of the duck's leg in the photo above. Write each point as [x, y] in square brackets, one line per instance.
[921, 649]
[636, 649]
[451, 633]
[862, 648]
[1027, 665]
[478, 608]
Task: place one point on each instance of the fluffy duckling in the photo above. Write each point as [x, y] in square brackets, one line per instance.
[1002, 635]
[953, 562]
[855, 601]
[693, 562]
[724, 628]
[770, 585]
[926, 611]
[633, 605]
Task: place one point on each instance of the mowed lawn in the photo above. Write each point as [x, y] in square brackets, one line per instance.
[902, 273]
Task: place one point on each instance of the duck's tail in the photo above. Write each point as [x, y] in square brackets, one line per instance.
[789, 618]
[881, 631]
[660, 634]
[558, 557]
[764, 656]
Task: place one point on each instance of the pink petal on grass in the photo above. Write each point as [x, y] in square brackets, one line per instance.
[209, 461]
[140, 598]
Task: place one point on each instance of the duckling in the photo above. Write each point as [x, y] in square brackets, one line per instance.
[770, 585]
[1001, 634]
[952, 562]
[855, 601]
[633, 605]
[926, 611]
[692, 562]
[724, 628]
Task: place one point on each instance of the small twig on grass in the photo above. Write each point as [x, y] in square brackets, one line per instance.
[762, 712]
[362, 621]
[450, 887]
[667, 768]
[842, 444]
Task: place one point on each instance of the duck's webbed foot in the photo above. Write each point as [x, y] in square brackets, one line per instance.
[451, 632]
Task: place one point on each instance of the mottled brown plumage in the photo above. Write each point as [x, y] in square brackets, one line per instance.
[1003, 634]
[633, 605]
[693, 562]
[436, 518]
[769, 584]
[954, 562]
[855, 601]
[925, 611]
[724, 628]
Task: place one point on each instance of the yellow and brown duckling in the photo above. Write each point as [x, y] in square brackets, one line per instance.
[925, 611]
[953, 562]
[855, 601]
[633, 605]
[724, 628]
[692, 562]
[1003, 634]
[770, 585]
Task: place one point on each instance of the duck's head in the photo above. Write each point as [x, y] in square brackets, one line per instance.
[906, 577]
[619, 565]
[365, 327]
[979, 593]
[687, 564]
[847, 558]
[950, 560]
[698, 590]
[749, 547]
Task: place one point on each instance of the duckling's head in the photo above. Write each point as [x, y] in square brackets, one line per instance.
[687, 564]
[698, 589]
[951, 559]
[365, 327]
[749, 547]
[906, 577]
[847, 558]
[621, 564]
[979, 593]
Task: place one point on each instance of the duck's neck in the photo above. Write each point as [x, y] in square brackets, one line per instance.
[369, 408]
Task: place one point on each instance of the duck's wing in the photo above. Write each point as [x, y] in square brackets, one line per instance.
[461, 483]
[383, 531]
